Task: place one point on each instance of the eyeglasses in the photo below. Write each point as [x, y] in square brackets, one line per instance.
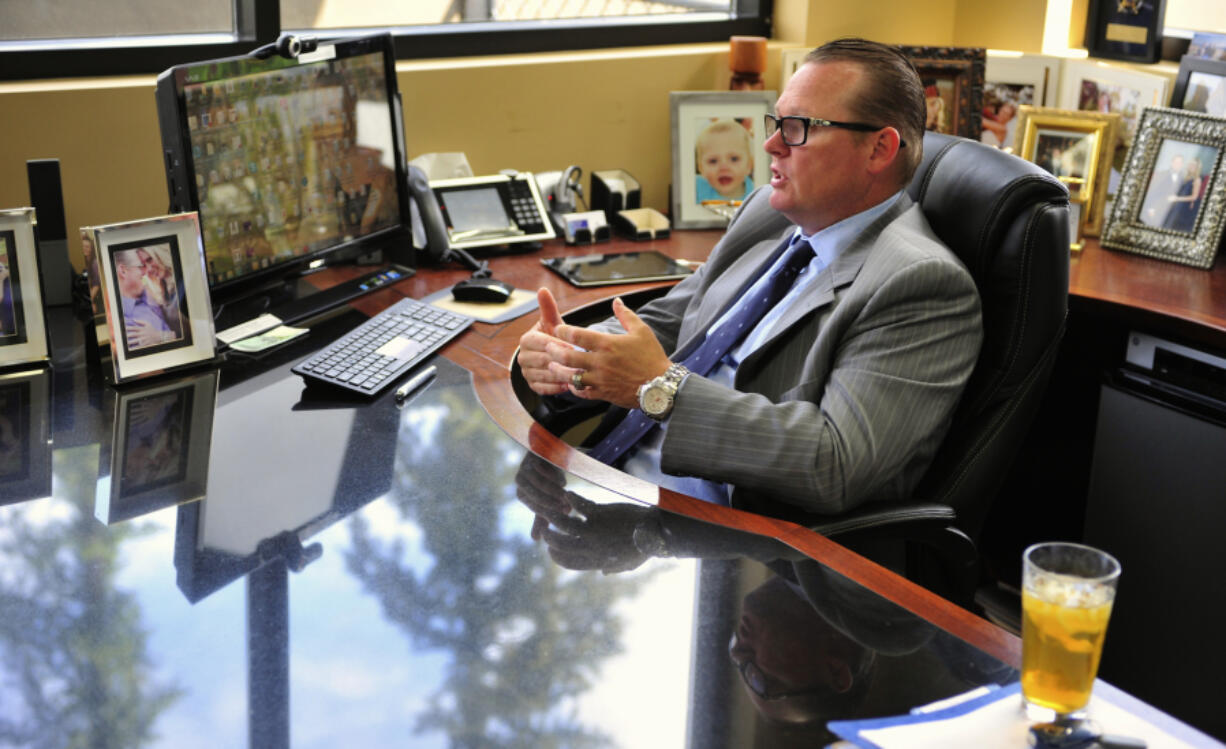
[795, 130]
[756, 680]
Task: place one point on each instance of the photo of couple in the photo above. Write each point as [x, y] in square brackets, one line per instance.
[1177, 186]
[149, 282]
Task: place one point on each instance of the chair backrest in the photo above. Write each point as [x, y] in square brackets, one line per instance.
[1007, 219]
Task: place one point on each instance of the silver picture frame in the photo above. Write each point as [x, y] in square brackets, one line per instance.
[23, 328]
[155, 290]
[697, 115]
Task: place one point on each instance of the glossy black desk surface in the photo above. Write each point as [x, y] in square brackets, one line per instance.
[312, 574]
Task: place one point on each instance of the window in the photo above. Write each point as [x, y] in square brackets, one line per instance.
[63, 38]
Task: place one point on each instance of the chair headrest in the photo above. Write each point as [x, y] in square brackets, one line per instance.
[972, 193]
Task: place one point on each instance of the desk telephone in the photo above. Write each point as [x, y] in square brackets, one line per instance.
[474, 212]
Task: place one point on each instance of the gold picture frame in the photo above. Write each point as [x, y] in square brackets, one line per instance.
[1075, 146]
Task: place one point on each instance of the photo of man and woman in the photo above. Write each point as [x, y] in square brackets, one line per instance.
[1065, 155]
[12, 331]
[723, 160]
[149, 283]
[1000, 104]
[1177, 185]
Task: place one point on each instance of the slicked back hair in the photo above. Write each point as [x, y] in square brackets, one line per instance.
[892, 94]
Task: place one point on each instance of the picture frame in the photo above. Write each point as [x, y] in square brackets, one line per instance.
[727, 121]
[23, 329]
[25, 434]
[155, 290]
[790, 60]
[1086, 144]
[1172, 195]
[160, 444]
[1012, 81]
[93, 278]
[1129, 30]
[1200, 86]
[1090, 85]
[953, 79]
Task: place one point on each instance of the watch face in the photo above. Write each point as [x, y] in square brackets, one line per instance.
[656, 400]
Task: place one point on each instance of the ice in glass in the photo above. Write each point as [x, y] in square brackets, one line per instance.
[1067, 593]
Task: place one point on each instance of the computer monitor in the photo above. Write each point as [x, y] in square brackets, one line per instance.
[290, 162]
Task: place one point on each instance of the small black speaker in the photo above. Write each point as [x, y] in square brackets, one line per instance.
[47, 197]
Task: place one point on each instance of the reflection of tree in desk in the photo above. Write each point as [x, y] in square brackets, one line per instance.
[74, 658]
[492, 600]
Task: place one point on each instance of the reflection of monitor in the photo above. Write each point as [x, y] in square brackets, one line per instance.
[287, 161]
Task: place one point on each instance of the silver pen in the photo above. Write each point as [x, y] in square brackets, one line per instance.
[415, 382]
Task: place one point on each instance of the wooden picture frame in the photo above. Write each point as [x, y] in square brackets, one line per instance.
[1098, 86]
[1200, 86]
[156, 293]
[953, 80]
[159, 451]
[730, 120]
[23, 329]
[1087, 144]
[1171, 202]
[1129, 30]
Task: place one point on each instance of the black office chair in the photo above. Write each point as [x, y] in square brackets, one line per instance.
[1007, 220]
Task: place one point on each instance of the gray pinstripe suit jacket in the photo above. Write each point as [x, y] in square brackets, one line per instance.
[849, 399]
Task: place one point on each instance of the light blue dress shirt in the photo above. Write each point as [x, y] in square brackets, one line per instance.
[644, 458]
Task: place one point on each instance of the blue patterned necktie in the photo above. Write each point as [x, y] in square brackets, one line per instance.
[716, 345]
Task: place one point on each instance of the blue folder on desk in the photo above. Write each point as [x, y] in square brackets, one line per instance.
[995, 718]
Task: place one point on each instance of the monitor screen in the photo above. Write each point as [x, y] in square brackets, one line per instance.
[286, 159]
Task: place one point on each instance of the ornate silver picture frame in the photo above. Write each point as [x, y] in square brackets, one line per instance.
[1171, 203]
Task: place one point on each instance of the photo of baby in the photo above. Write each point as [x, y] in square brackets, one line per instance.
[723, 160]
[149, 281]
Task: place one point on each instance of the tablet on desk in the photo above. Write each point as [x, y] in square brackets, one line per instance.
[614, 268]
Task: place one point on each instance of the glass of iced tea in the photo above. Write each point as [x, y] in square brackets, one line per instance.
[1067, 592]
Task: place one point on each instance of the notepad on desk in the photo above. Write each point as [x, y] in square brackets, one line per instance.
[996, 718]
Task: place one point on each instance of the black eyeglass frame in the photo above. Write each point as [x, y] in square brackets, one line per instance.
[773, 124]
[756, 680]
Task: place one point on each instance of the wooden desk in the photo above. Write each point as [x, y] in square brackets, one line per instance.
[1167, 298]
[422, 593]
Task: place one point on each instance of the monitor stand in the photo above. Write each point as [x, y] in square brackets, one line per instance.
[294, 300]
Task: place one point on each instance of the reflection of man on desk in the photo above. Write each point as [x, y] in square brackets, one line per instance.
[817, 357]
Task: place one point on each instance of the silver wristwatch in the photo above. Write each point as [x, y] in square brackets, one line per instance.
[656, 396]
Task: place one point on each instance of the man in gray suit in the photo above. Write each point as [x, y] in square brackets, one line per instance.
[842, 392]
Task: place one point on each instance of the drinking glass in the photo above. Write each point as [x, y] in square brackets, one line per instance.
[1067, 593]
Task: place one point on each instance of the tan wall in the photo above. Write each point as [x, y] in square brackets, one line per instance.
[532, 112]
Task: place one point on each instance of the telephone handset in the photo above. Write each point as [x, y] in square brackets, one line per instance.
[429, 232]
